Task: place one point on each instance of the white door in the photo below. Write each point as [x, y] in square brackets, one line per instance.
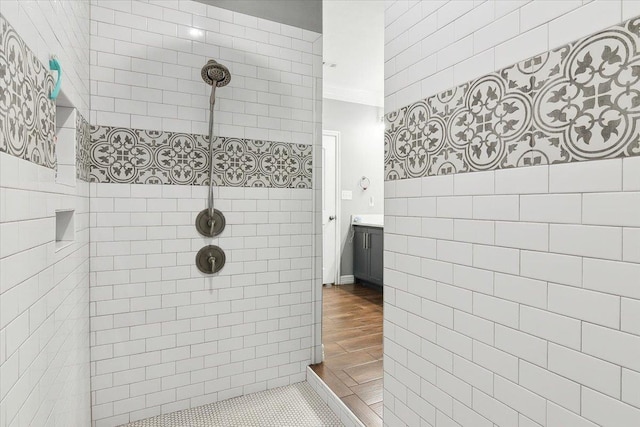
[329, 223]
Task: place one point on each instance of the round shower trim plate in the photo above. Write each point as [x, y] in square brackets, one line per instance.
[203, 224]
[204, 256]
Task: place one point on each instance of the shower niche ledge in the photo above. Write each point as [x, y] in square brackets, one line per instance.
[65, 228]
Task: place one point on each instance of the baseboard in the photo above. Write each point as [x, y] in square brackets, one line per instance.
[335, 403]
[347, 280]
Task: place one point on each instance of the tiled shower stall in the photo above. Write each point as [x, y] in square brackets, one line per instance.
[512, 211]
[166, 337]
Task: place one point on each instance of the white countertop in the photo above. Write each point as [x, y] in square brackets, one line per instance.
[368, 220]
[369, 224]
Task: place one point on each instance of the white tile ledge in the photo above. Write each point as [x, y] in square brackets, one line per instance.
[347, 417]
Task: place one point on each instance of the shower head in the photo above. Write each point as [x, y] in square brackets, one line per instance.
[215, 73]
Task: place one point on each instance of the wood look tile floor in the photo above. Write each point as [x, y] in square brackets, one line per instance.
[352, 337]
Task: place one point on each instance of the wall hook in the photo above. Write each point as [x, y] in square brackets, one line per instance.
[54, 65]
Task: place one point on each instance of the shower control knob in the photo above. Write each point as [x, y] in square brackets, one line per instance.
[208, 226]
[210, 259]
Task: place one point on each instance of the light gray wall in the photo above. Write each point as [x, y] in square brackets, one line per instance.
[305, 14]
[362, 151]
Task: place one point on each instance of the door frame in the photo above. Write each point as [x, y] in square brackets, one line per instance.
[338, 204]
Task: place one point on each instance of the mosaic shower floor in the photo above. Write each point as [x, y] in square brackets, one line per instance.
[296, 405]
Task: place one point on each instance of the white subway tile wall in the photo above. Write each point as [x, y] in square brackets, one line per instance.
[529, 278]
[531, 320]
[430, 46]
[44, 299]
[44, 290]
[165, 337]
[146, 60]
[59, 28]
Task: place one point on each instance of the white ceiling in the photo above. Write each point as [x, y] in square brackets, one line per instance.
[353, 39]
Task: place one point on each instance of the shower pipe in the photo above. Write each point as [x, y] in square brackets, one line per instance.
[216, 75]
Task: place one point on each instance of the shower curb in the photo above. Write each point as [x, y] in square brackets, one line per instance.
[336, 404]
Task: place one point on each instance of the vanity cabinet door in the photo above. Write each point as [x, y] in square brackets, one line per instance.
[376, 249]
[360, 254]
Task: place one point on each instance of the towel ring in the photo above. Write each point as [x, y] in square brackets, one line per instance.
[364, 183]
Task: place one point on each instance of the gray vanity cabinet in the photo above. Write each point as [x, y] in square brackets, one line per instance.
[367, 254]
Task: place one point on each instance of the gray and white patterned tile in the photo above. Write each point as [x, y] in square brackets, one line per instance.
[421, 137]
[27, 115]
[137, 156]
[417, 134]
[493, 118]
[392, 166]
[518, 76]
[589, 105]
[83, 145]
[444, 103]
[297, 405]
[448, 161]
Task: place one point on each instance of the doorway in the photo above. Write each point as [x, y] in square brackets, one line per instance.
[351, 163]
[352, 211]
[330, 207]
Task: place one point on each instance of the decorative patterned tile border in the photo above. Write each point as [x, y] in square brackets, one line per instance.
[136, 156]
[27, 115]
[83, 145]
[578, 102]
